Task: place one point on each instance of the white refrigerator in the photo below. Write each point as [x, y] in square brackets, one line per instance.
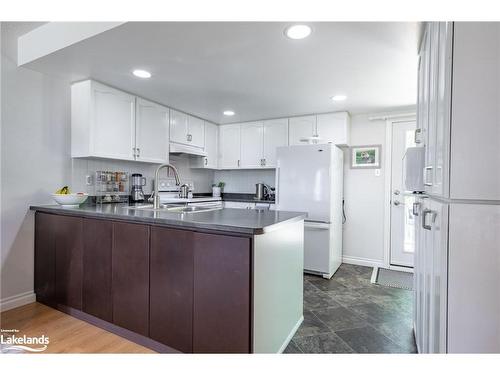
[309, 178]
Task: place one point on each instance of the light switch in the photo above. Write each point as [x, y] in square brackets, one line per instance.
[377, 172]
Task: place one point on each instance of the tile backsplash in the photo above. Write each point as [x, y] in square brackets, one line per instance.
[243, 181]
[237, 181]
[81, 168]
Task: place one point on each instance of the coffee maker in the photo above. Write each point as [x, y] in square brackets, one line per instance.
[136, 183]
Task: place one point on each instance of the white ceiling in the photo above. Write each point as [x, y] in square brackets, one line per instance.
[251, 67]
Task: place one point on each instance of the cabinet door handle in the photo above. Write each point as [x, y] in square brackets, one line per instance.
[138, 152]
[264, 162]
[134, 152]
[424, 219]
[417, 134]
[206, 161]
[238, 162]
[416, 205]
[426, 170]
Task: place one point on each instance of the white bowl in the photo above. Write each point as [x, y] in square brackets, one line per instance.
[70, 200]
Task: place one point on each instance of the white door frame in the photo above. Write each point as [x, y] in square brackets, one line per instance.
[390, 121]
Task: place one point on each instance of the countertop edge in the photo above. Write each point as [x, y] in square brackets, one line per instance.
[167, 222]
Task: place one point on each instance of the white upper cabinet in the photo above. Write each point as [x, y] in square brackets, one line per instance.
[186, 129]
[210, 161]
[102, 122]
[152, 128]
[229, 146]
[251, 145]
[475, 128]
[178, 127]
[301, 127]
[334, 128]
[275, 135]
[196, 132]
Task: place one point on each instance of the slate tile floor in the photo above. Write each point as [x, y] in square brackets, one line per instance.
[348, 314]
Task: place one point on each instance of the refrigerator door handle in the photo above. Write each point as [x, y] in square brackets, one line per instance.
[277, 188]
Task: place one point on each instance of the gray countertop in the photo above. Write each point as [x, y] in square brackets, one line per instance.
[227, 219]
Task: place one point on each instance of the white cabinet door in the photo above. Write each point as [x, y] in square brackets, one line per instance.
[301, 127]
[440, 186]
[152, 124]
[475, 128]
[251, 145]
[438, 260]
[178, 127]
[113, 125]
[229, 146]
[211, 142]
[474, 279]
[418, 280]
[196, 132]
[275, 135]
[430, 147]
[334, 128]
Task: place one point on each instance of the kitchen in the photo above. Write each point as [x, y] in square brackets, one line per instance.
[202, 225]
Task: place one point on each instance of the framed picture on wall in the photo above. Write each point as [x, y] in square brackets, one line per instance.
[364, 157]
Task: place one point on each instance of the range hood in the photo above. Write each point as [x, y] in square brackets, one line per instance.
[176, 148]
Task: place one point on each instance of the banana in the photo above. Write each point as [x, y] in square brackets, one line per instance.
[63, 190]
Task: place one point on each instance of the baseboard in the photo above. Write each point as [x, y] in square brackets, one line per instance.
[18, 300]
[362, 261]
[290, 336]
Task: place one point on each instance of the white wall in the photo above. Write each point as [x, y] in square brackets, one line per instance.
[243, 181]
[34, 159]
[363, 235]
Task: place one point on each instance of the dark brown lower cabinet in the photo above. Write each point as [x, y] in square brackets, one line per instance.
[130, 277]
[45, 258]
[97, 246]
[171, 288]
[222, 284]
[68, 260]
[190, 291]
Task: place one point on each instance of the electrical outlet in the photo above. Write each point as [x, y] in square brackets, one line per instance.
[377, 172]
[88, 180]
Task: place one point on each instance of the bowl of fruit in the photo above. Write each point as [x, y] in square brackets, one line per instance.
[67, 199]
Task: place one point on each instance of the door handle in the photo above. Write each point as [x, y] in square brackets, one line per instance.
[397, 203]
[206, 161]
[397, 192]
[239, 162]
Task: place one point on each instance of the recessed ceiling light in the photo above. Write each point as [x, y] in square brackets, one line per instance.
[339, 98]
[228, 113]
[141, 73]
[298, 31]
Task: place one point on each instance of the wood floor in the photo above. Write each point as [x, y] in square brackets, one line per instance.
[66, 334]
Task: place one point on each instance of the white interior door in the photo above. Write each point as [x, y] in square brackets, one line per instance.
[402, 219]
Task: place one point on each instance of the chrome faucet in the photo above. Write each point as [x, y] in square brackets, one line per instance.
[156, 198]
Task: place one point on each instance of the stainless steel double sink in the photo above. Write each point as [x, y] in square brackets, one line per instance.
[173, 208]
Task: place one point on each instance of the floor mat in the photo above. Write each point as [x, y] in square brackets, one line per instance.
[395, 279]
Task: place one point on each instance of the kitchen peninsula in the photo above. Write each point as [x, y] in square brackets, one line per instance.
[219, 281]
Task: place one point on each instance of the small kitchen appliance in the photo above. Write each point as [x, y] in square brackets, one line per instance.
[136, 192]
[262, 192]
